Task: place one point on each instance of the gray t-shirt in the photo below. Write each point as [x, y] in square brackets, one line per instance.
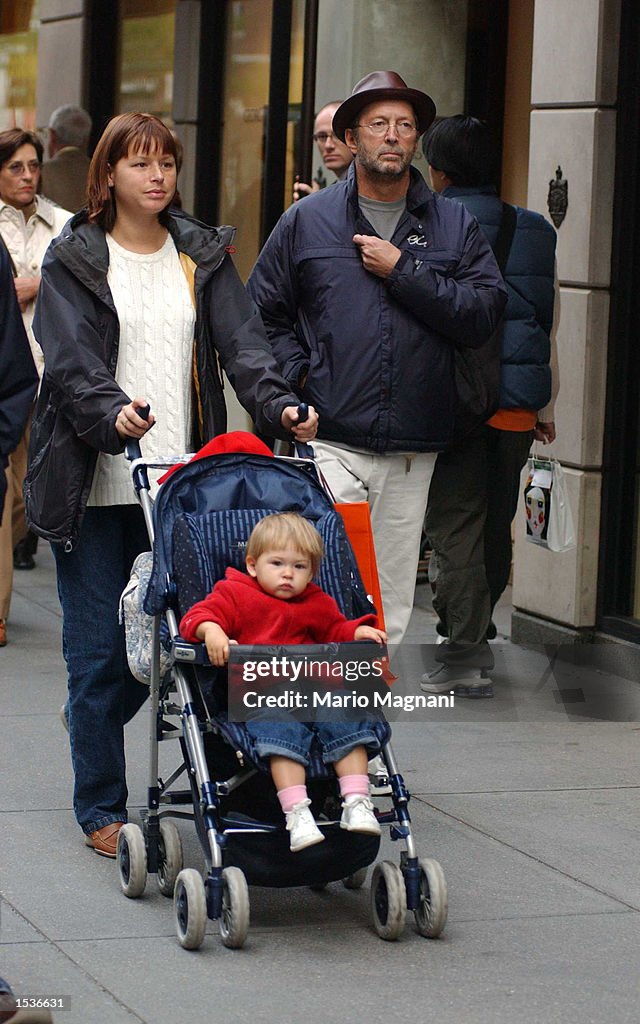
[384, 217]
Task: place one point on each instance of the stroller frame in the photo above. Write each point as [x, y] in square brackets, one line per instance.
[417, 884]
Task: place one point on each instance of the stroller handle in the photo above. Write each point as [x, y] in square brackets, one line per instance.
[132, 452]
[302, 450]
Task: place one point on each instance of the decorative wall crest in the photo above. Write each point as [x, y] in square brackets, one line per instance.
[558, 197]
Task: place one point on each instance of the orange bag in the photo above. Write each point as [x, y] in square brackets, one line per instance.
[357, 523]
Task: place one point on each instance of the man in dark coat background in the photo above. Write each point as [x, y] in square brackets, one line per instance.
[18, 383]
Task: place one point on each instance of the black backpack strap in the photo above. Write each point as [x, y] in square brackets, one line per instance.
[502, 245]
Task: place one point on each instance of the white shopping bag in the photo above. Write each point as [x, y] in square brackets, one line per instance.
[549, 522]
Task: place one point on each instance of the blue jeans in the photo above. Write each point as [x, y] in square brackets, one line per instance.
[103, 694]
[293, 739]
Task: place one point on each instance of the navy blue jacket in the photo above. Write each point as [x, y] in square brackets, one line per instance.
[18, 376]
[76, 323]
[525, 379]
[378, 353]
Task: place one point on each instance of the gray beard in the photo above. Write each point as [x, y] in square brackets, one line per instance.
[374, 171]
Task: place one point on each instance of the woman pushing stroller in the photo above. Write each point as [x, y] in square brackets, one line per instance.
[138, 301]
[276, 602]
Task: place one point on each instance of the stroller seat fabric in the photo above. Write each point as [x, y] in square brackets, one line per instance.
[218, 500]
[203, 546]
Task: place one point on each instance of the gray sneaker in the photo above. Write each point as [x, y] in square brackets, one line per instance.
[462, 680]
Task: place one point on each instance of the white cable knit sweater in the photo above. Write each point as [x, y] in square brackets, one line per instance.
[157, 319]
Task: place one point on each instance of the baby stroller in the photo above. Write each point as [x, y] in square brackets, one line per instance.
[198, 525]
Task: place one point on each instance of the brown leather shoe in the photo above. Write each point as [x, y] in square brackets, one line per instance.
[3, 633]
[105, 840]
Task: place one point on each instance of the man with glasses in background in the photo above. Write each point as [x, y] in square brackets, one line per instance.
[335, 155]
[28, 223]
[365, 289]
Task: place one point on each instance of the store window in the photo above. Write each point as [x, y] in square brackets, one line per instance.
[296, 70]
[636, 582]
[19, 23]
[246, 96]
[145, 56]
[423, 40]
[619, 565]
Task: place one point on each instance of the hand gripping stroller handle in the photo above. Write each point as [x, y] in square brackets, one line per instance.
[303, 450]
[132, 453]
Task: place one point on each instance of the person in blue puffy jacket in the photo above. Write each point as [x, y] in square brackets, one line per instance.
[475, 488]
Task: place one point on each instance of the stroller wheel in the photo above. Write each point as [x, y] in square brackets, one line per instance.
[131, 855]
[431, 915]
[356, 880]
[234, 920]
[169, 858]
[388, 900]
[190, 905]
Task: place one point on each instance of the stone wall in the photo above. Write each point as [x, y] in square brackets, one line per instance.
[573, 121]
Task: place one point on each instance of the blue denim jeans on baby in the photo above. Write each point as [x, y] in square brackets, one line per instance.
[287, 737]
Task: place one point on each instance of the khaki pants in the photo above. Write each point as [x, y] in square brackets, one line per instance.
[14, 526]
[396, 487]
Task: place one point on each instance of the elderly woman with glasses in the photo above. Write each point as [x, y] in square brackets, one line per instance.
[28, 223]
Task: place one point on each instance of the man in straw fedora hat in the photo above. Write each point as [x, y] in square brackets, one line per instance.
[365, 289]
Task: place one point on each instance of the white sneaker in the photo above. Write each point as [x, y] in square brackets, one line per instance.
[358, 816]
[302, 828]
[379, 784]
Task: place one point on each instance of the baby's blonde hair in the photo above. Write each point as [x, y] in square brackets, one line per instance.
[286, 529]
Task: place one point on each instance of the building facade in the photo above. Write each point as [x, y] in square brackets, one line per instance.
[558, 82]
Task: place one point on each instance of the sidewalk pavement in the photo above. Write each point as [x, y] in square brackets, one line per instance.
[529, 801]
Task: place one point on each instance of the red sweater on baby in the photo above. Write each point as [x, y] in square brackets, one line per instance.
[246, 613]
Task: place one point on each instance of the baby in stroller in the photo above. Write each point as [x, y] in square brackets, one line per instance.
[277, 603]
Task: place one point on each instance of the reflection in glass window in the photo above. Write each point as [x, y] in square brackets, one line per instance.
[246, 97]
[19, 23]
[145, 57]
[296, 68]
[423, 40]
